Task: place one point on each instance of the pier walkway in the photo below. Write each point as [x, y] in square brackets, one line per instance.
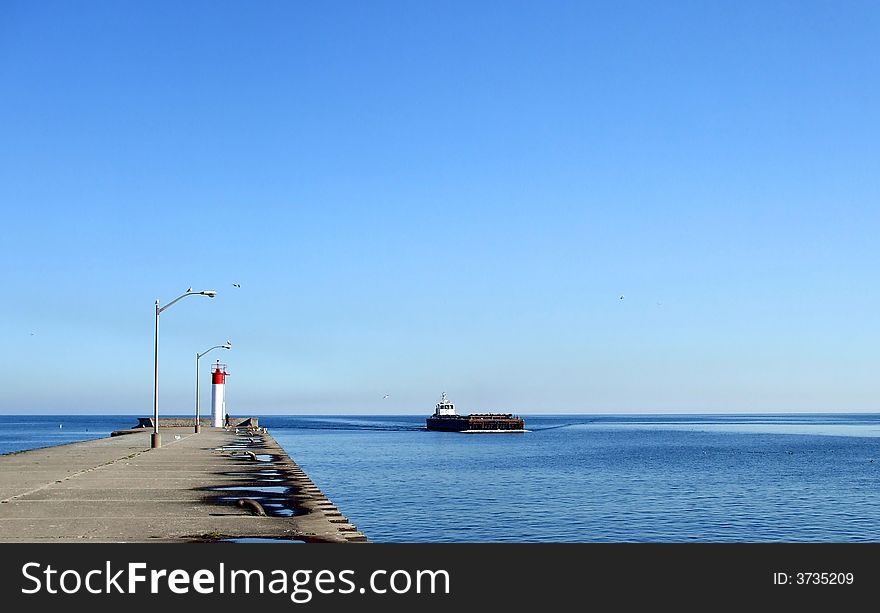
[196, 487]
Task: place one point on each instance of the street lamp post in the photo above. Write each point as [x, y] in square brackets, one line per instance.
[156, 440]
[227, 345]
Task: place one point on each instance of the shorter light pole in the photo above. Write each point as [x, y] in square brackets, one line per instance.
[227, 345]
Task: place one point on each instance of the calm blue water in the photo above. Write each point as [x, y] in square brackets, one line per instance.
[20, 432]
[576, 478]
[605, 478]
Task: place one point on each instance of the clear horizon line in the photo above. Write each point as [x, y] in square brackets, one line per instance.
[542, 414]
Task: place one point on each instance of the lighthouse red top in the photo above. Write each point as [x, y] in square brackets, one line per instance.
[218, 373]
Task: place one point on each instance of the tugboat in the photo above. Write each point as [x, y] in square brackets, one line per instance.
[447, 420]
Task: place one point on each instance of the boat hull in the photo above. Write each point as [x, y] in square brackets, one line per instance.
[488, 422]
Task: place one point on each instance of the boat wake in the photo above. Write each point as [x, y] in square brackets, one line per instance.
[568, 425]
[352, 426]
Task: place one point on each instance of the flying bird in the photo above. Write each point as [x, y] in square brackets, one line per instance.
[386, 396]
[236, 285]
[621, 296]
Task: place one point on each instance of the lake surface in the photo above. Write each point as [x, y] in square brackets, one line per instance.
[599, 478]
[574, 478]
[21, 432]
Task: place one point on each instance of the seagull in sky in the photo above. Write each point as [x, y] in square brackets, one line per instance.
[236, 285]
[386, 396]
[621, 296]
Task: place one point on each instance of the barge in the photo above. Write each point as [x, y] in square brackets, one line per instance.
[445, 419]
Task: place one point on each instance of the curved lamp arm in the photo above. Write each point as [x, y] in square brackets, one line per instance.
[209, 293]
[226, 345]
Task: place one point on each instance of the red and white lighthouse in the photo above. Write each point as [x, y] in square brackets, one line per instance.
[218, 394]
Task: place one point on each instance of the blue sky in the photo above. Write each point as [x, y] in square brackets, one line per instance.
[427, 196]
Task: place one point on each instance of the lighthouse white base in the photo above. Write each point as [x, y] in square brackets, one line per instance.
[218, 406]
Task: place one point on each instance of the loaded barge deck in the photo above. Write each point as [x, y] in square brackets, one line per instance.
[445, 419]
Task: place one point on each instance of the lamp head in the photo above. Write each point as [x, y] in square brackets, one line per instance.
[209, 293]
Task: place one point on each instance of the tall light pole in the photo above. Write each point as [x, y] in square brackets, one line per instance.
[227, 345]
[156, 440]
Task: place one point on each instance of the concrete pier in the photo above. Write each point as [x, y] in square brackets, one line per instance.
[211, 486]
